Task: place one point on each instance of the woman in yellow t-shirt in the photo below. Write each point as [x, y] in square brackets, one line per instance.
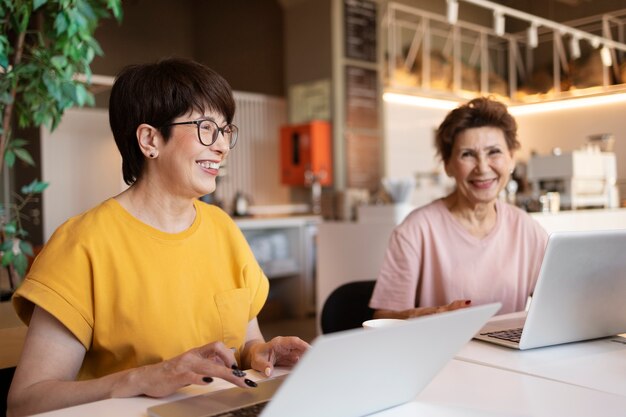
[152, 289]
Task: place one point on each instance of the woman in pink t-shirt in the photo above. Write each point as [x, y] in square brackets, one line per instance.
[468, 247]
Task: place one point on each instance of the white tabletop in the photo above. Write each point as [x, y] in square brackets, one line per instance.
[460, 389]
[597, 364]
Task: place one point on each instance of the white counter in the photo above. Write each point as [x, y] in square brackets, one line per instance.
[574, 220]
[285, 249]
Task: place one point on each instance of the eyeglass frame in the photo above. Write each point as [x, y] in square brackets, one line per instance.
[198, 122]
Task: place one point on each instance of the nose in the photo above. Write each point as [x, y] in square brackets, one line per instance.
[482, 164]
[221, 144]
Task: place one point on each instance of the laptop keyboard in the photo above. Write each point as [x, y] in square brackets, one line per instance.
[248, 411]
[512, 335]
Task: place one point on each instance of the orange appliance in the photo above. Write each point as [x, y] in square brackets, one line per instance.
[305, 153]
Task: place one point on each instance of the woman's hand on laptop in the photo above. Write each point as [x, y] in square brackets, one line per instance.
[196, 366]
[280, 351]
[421, 311]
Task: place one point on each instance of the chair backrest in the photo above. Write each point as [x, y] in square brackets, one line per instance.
[347, 306]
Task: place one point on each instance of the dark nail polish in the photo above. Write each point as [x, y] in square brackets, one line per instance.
[234, 366]
[238, 372]
[467, 302]
[207, 379]
[250, 383]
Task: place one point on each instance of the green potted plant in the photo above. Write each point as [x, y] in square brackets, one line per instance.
[46, 48]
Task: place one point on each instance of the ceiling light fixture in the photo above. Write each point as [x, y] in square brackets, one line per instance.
[574, 47]
[453, 11]
[605, 55]
[533, 38]
[498, 22]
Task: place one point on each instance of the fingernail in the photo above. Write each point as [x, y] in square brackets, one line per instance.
[268, 371]
[250, 383]
[467, 302]
[239, 373]
[207, 379]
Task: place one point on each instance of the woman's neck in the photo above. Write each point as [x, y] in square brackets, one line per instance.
[163, 211]
[478, 219]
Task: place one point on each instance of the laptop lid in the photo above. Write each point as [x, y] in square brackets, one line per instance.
[580, 290]
[359, 371]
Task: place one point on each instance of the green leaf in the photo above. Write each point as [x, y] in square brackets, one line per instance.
[24, 155]
[10, 228]
[81, 94]
[20, 262]
[26, 247]
[38, 3]
[9, 158]
[6, 246]
[59, 61]
[18, 143]
[7, 258]
[60, 23]
[116, 7]
[35, 187]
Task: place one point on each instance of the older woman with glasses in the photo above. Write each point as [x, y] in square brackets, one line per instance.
[468, 247]
[153, 289]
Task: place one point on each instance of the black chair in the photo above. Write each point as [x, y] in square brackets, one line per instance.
[347, 307]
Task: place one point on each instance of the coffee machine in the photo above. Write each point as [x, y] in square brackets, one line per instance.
[583, 178]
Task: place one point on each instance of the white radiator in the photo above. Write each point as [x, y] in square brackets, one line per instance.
[253, 165]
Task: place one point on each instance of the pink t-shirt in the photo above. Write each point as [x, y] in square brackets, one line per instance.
[432, 260]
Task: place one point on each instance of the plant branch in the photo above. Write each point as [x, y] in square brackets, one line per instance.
[8, 110]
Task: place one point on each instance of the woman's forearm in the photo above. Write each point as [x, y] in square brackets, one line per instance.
[53, 394]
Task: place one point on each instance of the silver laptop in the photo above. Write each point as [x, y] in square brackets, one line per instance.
[580, 293]
[351, 373]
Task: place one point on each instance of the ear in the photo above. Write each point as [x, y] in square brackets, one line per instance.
[148, 140]
[513, 163]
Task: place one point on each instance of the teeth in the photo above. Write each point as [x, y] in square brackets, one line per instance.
[209, 165]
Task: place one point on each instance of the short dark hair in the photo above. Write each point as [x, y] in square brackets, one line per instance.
[479, 112]
[156, 94]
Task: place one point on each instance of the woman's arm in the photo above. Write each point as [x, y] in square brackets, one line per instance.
[420, 311]
[52, 356]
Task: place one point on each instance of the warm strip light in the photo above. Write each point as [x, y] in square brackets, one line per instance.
[431, 103]
[515, 110]
[573, 103]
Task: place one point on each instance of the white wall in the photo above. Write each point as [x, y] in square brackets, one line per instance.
[410, 150]
[409, 146]
[82, 164]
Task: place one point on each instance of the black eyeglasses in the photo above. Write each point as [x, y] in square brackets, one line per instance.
[208, 131]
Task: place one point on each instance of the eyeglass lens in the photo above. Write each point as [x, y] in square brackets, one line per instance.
[208, 132]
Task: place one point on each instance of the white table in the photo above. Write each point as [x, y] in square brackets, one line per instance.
[597, 364]
[460, 389]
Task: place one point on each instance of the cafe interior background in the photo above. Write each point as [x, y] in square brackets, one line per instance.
[337, 103]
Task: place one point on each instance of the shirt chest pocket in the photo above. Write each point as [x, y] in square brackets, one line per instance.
[233, 308]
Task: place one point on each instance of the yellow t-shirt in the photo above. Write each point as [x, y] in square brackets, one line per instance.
[134, 295]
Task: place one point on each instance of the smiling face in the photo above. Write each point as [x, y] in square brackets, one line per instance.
[187, 167]
[481, 164]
